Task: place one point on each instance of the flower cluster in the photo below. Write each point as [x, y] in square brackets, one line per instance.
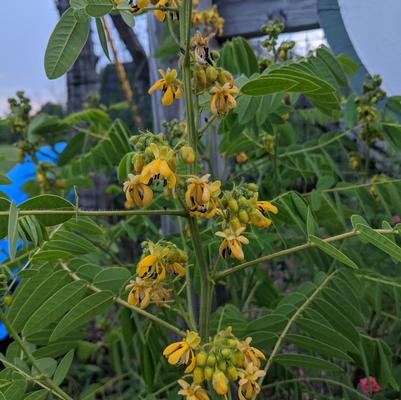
[209, 18]
[48, 177]
[206, 76]
[273, 31]
[154, 163]
[241, 207]
[223, 359]
[161, 265]
[367, 114]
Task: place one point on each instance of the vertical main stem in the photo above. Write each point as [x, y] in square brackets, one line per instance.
[185, 37]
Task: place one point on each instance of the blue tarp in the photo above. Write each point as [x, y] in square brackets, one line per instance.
[20, 174]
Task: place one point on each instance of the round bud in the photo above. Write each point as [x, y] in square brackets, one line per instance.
[187, 155]
[232, 203]
[232, 372]
[222, 365]
[201, 359]
[243, 216]
[211, 360]
[148, 152]
[208, 373]
[253, 187]
[198, 375]
[226, 352]
[232, 343]
[211, 74]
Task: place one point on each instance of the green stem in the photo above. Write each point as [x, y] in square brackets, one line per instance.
[49, 383]
[295, 249]
[100, 213]
[204, 279]
[185, 31]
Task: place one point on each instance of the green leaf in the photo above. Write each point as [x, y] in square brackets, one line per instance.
[102, 37]
[125, 167]
[311, 225]
[55, 307]
[65, 44]
[12, 230]
[332, 251]
[73, 148]
[128, 18]
[37, 395]
[305, 361]
[326, 334]
[63, 368]
[98, 8]
[112, 279]
[49, 285]
[55, 349]
[47, 365]
[82, 313]
[48, 202]
[380, 241]
[78, 4]
[315, 345]
[348, 64]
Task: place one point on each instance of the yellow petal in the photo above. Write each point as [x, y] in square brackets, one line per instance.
[178, 92]
[160, 15]
[147, 261]
[168, 97]
[147, 195]
[191, 366]
[158, 85]
[142, 3]
[236, 250]
[175, 357]
[165, 169]
[171, 348]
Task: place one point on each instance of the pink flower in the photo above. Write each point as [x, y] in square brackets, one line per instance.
[364, 385]
[396, 219]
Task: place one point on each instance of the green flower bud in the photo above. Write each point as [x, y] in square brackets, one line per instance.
[222, 365]
[226, 353]
[232, 203]
[198, 375]
[243, 216]
[211, 360]
[208, 373]
[201, 359]
[232, 372]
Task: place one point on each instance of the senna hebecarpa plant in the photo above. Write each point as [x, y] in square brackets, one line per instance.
[278, 276]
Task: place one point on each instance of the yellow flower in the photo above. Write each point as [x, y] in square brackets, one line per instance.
[183, 352]
[231, 245]
[252, 354]
[201, 48]
[140, 293]
[151, 267]
[222, 98]
[201, 196]
[265, 206]
[169, 85]
[192, 391]
[137, 192]
[161, 167]
[248, 386]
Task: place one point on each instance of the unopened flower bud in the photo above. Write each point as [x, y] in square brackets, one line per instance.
[232, 372]
[201, 359]
[211, 360]
[211, 74]
[243, 216]
[235, 223]
[188, 155]
[208, 372]
[224, 76]
[232, 203]
[198, 375]
[220, 383]
[138, 163]
[222, 366]
[253, 187]
[226, 353]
